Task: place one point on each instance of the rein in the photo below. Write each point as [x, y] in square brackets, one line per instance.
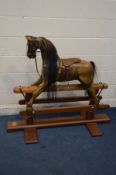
[36, 63]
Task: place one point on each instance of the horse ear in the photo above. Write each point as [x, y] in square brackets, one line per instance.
[28, 37]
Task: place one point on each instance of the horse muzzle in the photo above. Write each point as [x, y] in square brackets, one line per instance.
[31, 56]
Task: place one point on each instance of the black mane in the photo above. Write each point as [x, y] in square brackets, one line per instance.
[51, 56]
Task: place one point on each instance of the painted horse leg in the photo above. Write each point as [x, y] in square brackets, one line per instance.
[39, 81]
[39, 90]
[92, 94]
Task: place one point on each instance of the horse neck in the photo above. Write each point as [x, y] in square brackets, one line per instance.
[45, 57]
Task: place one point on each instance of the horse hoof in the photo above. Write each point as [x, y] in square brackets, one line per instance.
[29, 110]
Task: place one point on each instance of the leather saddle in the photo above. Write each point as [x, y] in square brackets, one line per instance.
[68, 62]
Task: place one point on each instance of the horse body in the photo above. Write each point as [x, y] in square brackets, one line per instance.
[75, 70]
[56, 69]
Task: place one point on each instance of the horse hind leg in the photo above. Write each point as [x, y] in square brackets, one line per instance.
[86, 83]
[93, 98]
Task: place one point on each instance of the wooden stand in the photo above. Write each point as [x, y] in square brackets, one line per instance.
[87, 113]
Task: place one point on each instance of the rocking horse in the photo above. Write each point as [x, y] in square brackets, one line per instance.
[56, 69]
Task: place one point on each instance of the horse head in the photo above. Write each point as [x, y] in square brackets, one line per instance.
[32, 46]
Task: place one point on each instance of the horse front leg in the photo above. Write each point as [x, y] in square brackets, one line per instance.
[39, 90]
[37, 82]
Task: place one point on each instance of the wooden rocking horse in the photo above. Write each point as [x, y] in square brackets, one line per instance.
[55, 69]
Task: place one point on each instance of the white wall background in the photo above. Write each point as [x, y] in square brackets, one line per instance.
[82, 28]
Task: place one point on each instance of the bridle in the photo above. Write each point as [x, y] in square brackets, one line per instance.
[33, 52]
[35, 58]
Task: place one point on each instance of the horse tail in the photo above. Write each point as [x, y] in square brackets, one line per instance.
[94, 70]
[94, 67]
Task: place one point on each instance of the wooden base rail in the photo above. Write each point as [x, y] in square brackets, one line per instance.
[71, 87]
[86, 113]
